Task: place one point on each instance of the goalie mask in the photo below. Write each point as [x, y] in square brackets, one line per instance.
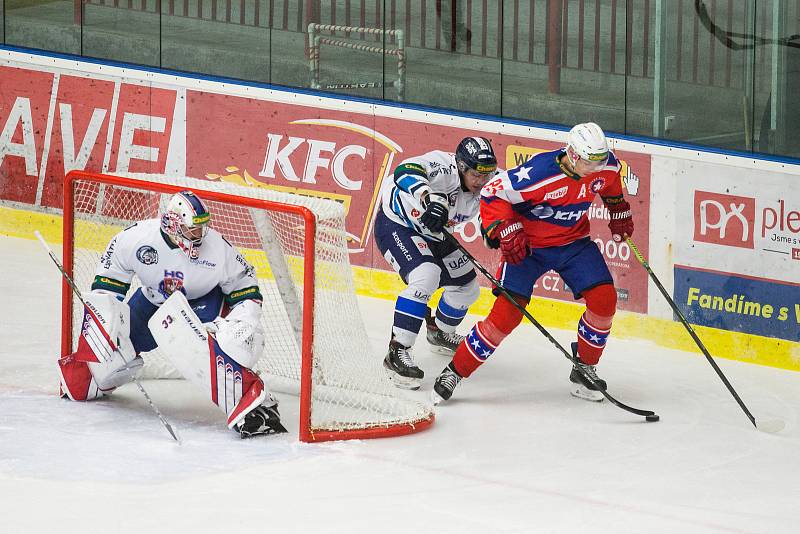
[185, 222]
[587, 148]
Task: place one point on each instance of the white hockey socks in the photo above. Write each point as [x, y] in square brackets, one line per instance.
[198, 357]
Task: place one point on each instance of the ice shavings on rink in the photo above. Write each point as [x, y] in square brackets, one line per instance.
[512, 451]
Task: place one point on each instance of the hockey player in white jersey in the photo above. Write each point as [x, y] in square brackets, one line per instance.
[428, 194]
[198, 302]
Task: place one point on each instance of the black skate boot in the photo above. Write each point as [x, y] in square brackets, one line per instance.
[581, 386]
[262, 420]
[401, 367]
[441, 342]
[445, 384]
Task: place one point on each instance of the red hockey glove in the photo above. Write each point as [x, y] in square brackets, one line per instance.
[513, 241]
[621, 224]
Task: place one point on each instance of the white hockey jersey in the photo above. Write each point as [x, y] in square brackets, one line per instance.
[437, 172]
[162, 268]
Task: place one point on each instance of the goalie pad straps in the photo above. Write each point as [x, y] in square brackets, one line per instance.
[198, 357]
[105, 358]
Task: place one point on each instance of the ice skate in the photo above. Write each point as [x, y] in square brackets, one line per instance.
[400, 366]
[442, 342]
[262, 420]
[581, 386]
[445, 384]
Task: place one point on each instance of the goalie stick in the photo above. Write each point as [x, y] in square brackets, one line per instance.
[114, 347]
[771, 426]
[647, 414]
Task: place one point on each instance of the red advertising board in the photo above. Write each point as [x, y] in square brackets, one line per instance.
[112, 125]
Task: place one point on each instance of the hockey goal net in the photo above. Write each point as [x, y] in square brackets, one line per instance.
[317, 345]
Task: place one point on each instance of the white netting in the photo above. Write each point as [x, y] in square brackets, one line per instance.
[349, 388]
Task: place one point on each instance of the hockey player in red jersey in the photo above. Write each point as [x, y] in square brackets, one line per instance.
[536, 214]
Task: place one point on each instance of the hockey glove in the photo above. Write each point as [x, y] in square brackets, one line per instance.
[621, 224]
[513, 240]
[437, 212]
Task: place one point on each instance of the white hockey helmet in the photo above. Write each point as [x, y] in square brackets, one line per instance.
[185, 221]
[587, 142]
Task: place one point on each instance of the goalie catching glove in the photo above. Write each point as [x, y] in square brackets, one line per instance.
[437, 212]
[510, 238]
[621, 223]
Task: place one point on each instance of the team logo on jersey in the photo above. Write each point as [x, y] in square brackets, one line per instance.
[172, 282]
[147, 255]
[452, 198]
[597, 184]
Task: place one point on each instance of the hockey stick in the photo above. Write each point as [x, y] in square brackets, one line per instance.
[113, 346]
[751, 40]
[649, 415]
[769, 426]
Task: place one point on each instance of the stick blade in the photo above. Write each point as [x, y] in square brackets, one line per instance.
[771, 426]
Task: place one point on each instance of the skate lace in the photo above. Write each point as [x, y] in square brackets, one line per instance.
[450, 380]
[452, 337]
[405, 357]
[589, 370]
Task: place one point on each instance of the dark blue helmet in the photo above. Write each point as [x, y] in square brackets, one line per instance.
[476, 153]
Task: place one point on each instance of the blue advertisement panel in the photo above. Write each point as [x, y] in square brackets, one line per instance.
[741, 304]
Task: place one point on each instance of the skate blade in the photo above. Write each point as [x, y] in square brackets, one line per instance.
[436, 399]
[403, 382]
[582, 392]
[444, 351]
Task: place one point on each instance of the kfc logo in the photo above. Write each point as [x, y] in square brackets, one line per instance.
[724, 219]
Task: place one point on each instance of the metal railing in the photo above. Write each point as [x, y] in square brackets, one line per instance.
[604, 36]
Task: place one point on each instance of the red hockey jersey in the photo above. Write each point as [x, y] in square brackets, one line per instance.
[551, 204]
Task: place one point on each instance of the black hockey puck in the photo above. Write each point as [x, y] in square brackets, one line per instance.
[652, 418]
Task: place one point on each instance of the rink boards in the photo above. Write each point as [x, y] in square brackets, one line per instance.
[721, 231]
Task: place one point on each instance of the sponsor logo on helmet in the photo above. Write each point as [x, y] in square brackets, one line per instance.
[599, 156]
[486, 167]
[203, 218]
[147, 255]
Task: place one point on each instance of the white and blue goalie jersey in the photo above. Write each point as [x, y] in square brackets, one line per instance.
[163, 268]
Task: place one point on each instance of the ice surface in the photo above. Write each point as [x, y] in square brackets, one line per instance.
[511, 452]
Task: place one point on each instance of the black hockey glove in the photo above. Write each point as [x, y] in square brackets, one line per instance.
[437, 212]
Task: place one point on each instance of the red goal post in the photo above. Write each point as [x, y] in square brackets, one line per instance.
[297, 245]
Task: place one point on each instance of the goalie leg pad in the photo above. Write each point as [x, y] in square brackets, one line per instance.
[105, 358]
[240, 334]
[199, 358]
